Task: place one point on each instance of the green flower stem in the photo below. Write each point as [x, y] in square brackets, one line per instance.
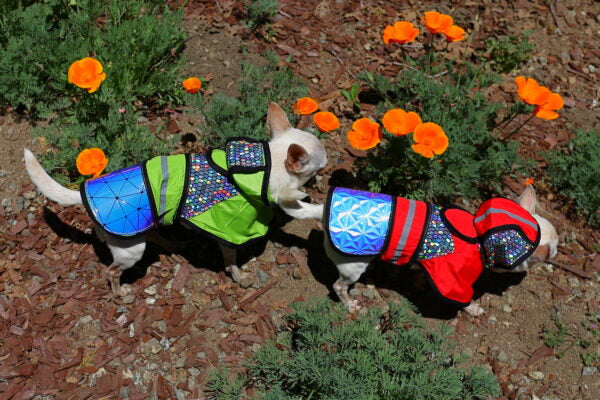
[517, 129]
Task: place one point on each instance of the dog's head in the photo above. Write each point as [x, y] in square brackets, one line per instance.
[296, 156]
[547, 247]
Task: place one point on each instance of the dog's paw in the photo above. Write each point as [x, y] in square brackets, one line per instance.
[235, 273]
[474, 310]
[124, 290]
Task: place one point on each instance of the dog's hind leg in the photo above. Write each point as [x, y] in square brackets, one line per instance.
[230, 261]
[125, 252]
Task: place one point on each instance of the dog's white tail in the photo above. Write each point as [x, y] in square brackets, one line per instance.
[48, 186]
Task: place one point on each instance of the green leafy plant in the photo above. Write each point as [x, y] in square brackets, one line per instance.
[138, 44]
[508, 53]
[453, 95]
[227, 116]
[575, 172]
[260, 12]
[352, 95]
[554, 338]
[324, 354]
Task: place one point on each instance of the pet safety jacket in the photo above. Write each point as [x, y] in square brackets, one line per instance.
[222, 194]
[451, 244]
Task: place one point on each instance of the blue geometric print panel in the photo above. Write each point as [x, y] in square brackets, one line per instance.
[119, 201]
[241, 153]
[359, 221]
[438, 239]
[206, 187]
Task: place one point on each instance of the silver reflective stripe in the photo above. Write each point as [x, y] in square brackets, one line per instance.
[501, 211]
[410, 215]
[164, 166]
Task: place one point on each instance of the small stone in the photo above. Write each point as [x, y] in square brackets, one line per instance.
[151, 290]
[152, 346]
[574, 282]
[30, 219]
[506, 308]
[165, 343]
[124, 392]
[152, 366]
[93, 377]
[502, 357]
[536, 375]
[128, 299]
[20, 205]
[246, 281]
[141, 119]
[354, 292]
[589, 371]
[6, 202]
[127, 374]
[297, 273]
[370, 293]
[180, 363]
[150, 300]
[495, 302]
[179, 394]
[193, 371]
[262, 276]
[3, 173]
[591, 68]
[492, 319]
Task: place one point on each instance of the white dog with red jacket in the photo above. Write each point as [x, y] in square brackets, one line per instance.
[449, 243]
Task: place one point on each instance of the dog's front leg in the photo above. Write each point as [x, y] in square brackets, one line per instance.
[230, 261]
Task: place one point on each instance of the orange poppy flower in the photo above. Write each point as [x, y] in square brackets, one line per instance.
[91, 162]
[86, 74]
[528, 182]
[326, 121]
[365, 134]
[546, 109]
[429, 139]
[192, 85]
[531, 92]
[437, 22]
[402, 32]
[306, 105]
[454, 33]
[399, 122]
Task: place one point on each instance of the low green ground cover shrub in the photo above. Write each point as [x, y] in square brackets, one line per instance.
[244, 115]
[138, 44]
[575, 172]
[452, 94]
[260, 12]
[325, 354]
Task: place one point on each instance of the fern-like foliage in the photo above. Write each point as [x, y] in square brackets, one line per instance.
[575, 172]
[227, 116]
[327, 355]
[453, 96]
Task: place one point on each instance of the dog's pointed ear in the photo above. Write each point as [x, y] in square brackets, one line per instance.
[297, 158]
[528, 199]
[277, 121]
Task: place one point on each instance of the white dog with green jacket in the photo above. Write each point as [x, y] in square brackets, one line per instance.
[227, 194]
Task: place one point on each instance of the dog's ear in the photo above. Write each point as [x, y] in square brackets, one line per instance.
[297, 158]
[277, 121]
[528, 199]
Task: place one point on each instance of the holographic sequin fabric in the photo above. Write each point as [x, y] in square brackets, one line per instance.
[438, 239]
[241, 153]
[206, 187]
[505, 248]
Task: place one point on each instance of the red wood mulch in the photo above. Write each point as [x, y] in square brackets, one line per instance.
[62, 331]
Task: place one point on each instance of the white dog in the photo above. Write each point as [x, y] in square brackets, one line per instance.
[450, 244]
[226, 194]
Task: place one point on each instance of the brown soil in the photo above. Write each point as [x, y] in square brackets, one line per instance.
[64, 335]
